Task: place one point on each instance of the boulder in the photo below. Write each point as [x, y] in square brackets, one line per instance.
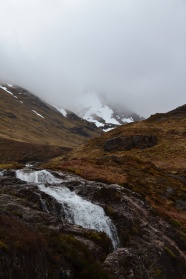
[129, 142]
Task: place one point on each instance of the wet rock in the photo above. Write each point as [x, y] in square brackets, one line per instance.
[141, 262]
[170, 190]
[129, 142]
[149, 244]
[36, 236]
[65, 274]
[9, 173]
[37, 242]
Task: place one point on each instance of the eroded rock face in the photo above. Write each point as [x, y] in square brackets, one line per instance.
[37, 242]
[150, 247]
[129, 142]
[36, 237]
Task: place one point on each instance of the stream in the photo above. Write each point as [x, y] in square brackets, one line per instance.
[76, 209]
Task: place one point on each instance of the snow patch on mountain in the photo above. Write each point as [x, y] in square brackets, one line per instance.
[93, 110]
[62, 111]
[38, 113]
[5, 89]
[128, 120]
[102, 113]
[107, 129]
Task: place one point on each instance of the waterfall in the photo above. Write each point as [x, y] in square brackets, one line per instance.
[39, 177]
[76, 209]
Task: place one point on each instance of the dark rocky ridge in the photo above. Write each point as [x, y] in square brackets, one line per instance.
[36, 237]
[128, 143]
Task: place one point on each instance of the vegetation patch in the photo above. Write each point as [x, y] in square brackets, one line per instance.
[3, 247]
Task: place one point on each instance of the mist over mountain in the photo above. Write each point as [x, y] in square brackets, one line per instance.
[89, 189]
[133, 52]
[32, 129]
[105, 114]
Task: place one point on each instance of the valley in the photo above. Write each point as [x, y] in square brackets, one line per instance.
[79, 203]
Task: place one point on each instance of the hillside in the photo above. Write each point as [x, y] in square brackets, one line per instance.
[31, 129]
[148, 157]
[124, 219]
[168, 150]
[148, 160]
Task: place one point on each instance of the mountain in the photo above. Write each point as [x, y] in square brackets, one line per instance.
[148, 160]
[117, 202]
[105, 115]
[160, 140]
[32, 129]
[146, 156]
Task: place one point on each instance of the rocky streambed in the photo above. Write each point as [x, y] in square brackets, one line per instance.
[57, 225]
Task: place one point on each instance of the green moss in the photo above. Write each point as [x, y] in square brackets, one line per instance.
[78, 256]
[175, 223]
[3, 247]
[169, 252]
[183, 237]
[135, 230]
[109, 210]
[155, 272]
[100, 238]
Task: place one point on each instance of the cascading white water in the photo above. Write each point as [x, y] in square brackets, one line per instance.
[77, 210]
[41, 177]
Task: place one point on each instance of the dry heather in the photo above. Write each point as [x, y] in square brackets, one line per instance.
[158, 173]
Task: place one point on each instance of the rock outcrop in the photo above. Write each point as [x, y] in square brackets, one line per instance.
[37, 242]
[129, 142]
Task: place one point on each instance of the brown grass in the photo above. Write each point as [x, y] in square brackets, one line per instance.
[21, 128]
[149, 171]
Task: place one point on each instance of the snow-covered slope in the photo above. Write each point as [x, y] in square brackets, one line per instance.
[62, 111]
[104, 115]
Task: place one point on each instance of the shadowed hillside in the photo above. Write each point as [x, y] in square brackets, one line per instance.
[31, 129]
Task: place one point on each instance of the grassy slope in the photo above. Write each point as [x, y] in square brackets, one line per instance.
[19, 124]
[150, 172]
[169, 152]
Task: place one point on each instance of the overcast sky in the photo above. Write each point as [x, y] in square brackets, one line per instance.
[132, 51]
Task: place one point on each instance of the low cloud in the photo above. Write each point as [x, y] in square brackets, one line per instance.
[133, 52]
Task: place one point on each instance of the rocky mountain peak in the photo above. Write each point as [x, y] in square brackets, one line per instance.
[105, 114]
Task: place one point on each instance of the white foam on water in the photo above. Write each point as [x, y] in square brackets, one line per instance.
[77, 210]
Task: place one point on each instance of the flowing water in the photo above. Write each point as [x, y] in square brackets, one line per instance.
[76, 209]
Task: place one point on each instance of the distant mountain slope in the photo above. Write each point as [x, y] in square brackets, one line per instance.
[165, 131]
[24, 118]
[104, 114]
[148, 157]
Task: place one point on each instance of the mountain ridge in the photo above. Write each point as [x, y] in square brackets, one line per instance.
[26, 118]
[135, 164]
[136, 173]
[105, 114]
